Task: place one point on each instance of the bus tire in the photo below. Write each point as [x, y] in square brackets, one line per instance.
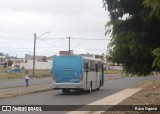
[90, 87]
[99, 86]
[65, 91]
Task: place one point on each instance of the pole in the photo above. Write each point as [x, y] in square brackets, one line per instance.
[35, 36]
[69, 43]
[16, 60]
[7, 64]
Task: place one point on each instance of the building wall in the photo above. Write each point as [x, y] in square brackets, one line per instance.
[115, 68]
[38, 65]
[30, 57]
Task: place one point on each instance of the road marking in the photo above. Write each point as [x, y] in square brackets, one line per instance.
[110, 100]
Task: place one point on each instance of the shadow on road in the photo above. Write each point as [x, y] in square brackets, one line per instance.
[77, 92]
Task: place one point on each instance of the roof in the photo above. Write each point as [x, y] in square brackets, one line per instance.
[93, 59]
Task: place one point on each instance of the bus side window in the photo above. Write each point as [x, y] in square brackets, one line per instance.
[102, 68]
[96, 66]
[91, 66]
[86, 67]
[99, 66]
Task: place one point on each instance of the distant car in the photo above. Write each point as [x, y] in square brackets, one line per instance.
[16, 70]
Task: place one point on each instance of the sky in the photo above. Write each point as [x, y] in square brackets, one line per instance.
[82, 20]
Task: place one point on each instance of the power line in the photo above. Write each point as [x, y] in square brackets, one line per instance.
[14, 33]
[89, 39]
[55, 38]
[48, 43]
[76, 38]
[16, 39]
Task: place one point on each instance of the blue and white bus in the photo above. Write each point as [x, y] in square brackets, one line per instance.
[77, 72]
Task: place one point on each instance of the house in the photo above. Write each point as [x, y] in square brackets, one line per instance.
[41, 62]
[38, 64]
[2, 61]
[66, 52]
[38, 58]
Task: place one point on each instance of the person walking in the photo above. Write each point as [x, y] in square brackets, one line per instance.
[27, 78]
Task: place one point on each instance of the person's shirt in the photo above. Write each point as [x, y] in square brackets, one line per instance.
[27, 76]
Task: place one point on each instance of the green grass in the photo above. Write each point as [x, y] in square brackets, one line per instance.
[113, 72]
[38, 74]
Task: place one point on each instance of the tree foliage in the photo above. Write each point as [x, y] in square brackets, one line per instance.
[9, 63]
[156, 62]
[134, 35]
[154, 5]
[1, 54]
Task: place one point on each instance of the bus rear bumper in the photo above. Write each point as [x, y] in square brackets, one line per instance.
[67, 85]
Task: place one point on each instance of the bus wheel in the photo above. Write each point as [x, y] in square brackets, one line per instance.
[90, 88]
[99, 85]
[65, 91]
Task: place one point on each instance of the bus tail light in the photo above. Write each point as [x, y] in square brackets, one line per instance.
[53, 78]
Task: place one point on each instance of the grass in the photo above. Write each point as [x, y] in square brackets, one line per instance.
[41, 73]
[38, 74]
[113, 72]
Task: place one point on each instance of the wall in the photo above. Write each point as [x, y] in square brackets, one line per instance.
[115, 68]
[38, 65]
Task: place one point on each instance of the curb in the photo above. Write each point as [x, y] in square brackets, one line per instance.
[101, 112]
[114, 78]
[136, 85]
[19, 93]
[22, 86]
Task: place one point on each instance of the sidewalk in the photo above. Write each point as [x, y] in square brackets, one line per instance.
[12, 83]
[16, 87]
[11, 92]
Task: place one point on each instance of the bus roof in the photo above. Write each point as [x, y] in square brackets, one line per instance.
[93, 59]
[86, 58]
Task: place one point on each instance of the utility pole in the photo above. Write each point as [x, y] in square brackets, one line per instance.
[16, 60]
[69, 44]
[7, 64]
[35, 37]
[34, 50]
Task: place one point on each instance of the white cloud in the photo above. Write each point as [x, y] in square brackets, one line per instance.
[75, 18]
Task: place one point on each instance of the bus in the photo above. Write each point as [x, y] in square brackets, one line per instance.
[77, 72]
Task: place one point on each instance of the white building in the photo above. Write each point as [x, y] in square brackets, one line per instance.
[38, 65]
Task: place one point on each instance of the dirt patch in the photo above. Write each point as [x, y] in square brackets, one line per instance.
[149, 95]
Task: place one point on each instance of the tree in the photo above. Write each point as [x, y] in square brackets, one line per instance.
[156, 62]
[9, 63]
[134, 35]
[1, 54]
[44, 59]
[154, 5]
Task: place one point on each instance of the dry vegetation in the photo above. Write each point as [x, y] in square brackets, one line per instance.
[38, 74]
[149, 95]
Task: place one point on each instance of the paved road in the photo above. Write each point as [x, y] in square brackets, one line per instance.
[55, 97]
[21, 82]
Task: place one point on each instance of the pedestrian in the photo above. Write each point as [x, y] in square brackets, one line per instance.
[27, 78]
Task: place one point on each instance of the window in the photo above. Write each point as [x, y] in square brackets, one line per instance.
[85, 65]
[92, 66]
[96, 67]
